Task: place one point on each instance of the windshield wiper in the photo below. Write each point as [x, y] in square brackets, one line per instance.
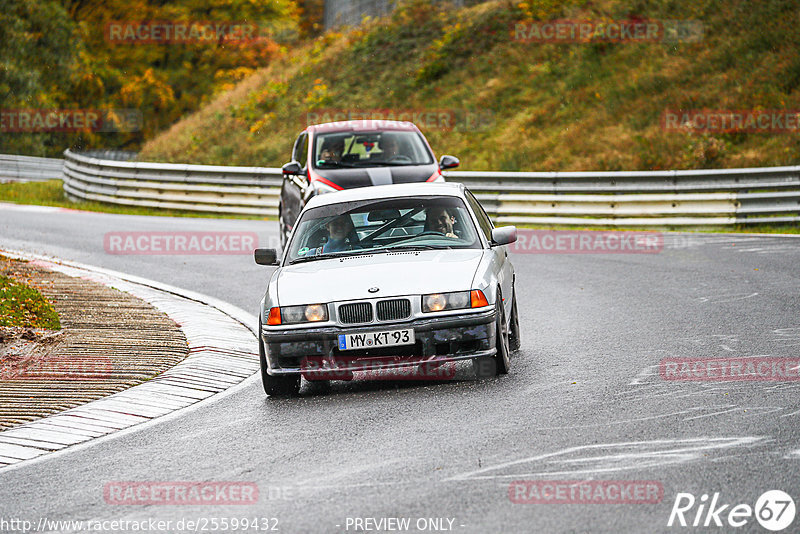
[416, 247]
[334, 165]
[306, 258]
[381, 164]
[332, 255]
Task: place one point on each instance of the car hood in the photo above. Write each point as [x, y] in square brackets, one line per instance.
[352, 178]
[394, 273]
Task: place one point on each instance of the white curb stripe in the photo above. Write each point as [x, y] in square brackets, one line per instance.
[222, 354]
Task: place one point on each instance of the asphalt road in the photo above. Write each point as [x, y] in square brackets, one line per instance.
[583, 402]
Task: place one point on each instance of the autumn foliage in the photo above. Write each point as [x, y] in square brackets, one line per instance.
[57, 55]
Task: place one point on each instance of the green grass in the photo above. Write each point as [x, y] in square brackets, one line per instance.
[51, 193]
[23, 306]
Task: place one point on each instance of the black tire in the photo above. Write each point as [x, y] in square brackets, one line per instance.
[284, 236]
[514, 337]
[275, 386]
[499, 364]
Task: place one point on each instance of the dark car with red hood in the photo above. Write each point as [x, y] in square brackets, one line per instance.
[345, 155]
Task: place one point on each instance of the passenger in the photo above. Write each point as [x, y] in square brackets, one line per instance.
[439, 219]
[339, 231]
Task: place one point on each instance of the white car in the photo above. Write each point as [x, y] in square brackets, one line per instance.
[400, 275]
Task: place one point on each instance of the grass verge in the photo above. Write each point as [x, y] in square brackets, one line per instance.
[51, 193]
[23, 306]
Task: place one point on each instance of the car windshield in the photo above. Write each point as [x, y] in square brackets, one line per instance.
[370, 226]
[370, 149]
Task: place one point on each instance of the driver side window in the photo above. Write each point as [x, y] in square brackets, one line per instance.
[300, 154]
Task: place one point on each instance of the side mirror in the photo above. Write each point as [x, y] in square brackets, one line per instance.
[266, 256]
[292, 169]
[449, 162]
[505, 235]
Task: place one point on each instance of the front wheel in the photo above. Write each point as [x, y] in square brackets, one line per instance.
[275, 386]
[499, 364]
[283, 233]
[514, 337]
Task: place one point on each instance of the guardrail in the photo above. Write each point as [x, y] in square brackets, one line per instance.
[204, 188]
[646, 198]
[640, 198]
[28, 168]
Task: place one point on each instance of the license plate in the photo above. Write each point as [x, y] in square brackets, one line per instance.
[371, 340]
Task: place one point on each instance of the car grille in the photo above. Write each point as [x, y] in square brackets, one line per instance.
[389, 310]
[358, 312]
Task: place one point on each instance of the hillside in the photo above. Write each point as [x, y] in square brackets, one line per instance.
[541, 106]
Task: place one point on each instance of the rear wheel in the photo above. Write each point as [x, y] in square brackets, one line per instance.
[499, 364]
[275, 386]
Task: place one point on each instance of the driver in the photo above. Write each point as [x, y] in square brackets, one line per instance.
[390, 147]
[332, 151]
[339, 234]
[439, 219]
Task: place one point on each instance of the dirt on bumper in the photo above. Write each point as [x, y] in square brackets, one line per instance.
[437, 340]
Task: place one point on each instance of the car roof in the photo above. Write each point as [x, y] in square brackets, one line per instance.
[366, 125]
[451, 189]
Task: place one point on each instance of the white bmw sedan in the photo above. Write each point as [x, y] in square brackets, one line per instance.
[388, 277]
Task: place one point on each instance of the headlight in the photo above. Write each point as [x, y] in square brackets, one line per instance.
[445, 301]
[320, 188]
[310, 313]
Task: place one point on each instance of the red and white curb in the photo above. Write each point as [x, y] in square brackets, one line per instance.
[222, 354]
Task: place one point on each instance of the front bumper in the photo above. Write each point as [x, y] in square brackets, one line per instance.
[437, 339]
